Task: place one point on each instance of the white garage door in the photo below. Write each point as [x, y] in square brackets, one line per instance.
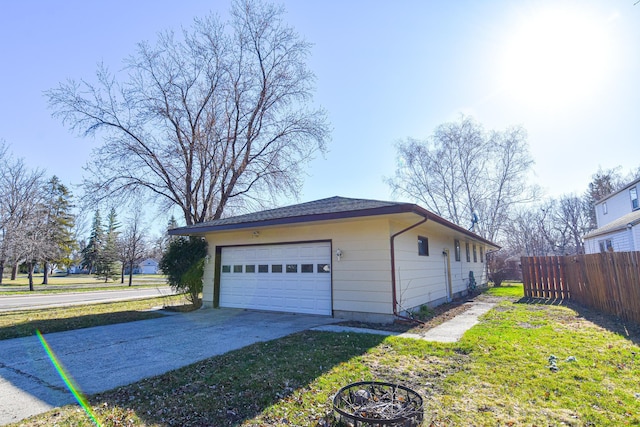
[293, 277]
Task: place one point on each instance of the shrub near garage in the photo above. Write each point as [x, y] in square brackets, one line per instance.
[183, 263]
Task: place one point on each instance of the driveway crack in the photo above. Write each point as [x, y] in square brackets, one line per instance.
[33, 378]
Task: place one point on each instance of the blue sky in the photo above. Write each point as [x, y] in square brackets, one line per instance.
[567, 71]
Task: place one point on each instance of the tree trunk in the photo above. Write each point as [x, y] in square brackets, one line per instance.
[45, 279]
[122, 274]
[14, 271]
[31, 267]
[1, 271]
[130, 273]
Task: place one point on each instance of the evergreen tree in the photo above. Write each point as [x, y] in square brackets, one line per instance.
[108, 257]
[183, 263]
[59, 225]
[91, 252]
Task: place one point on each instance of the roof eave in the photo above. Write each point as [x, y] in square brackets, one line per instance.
[200, 230]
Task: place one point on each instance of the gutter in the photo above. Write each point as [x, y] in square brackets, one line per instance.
[393, 270]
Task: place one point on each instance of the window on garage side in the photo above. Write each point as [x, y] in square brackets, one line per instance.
[306, 268]
[475, 253]
[466, 245]
[226, 269]
[263, 268]
[237, 268]
[276, 268]
[250, 268]
[456, 245]
[292, 268]
[423, 246]
[481, 254]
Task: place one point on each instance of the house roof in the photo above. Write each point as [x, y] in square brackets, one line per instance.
[320, 210]
[630, 219]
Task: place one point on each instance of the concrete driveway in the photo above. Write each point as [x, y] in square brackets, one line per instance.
[105, 357]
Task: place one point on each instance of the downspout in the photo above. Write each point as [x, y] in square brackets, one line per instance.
[632, 246]
[393, 271]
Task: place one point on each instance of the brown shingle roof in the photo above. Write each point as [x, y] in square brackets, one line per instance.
[318, 210]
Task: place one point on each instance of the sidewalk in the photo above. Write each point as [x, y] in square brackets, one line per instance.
[448, 332]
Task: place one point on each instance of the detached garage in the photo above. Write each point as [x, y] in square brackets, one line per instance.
[350, 258]
[289, 277]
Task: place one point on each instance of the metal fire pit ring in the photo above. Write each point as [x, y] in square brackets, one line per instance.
[398, 406]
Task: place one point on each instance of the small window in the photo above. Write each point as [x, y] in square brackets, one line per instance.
[276, 268]
[605, 245]
[324, 268]
[306, 268]
[250, 268]
[475, 254]
[466, 246]
[226, 269]
[263, 268]
[292, 268]
[481, 254]
[604, 209]
[423, 246]
[456, 244]
[237, 269]
[633, 193]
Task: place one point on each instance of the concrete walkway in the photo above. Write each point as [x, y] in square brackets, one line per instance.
[447, 332]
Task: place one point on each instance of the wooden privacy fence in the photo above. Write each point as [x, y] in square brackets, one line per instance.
[607, 282]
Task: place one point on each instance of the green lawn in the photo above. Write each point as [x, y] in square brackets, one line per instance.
[15, 324]
[507, 289]
[76, 283]
[498, 375]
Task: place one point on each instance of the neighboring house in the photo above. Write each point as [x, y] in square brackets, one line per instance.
[350, 258]
[148, 266]
[618, 220]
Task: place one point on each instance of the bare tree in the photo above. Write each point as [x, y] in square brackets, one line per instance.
[466, 175]
[530, 232]
[132, 245]
[20, 214]
[572, 216]
[218, 118]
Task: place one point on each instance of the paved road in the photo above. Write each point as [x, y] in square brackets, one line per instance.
[40, 300]
[106, 357]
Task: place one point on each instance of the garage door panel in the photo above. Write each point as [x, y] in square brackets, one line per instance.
[283, 288]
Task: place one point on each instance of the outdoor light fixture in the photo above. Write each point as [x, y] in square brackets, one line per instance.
[339, 254]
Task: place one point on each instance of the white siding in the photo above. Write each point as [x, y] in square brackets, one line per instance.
[621, 241]
[423, 279]
[361, 279]
[617, 205]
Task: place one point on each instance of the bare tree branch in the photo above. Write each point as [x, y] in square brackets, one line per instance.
[221, 113]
